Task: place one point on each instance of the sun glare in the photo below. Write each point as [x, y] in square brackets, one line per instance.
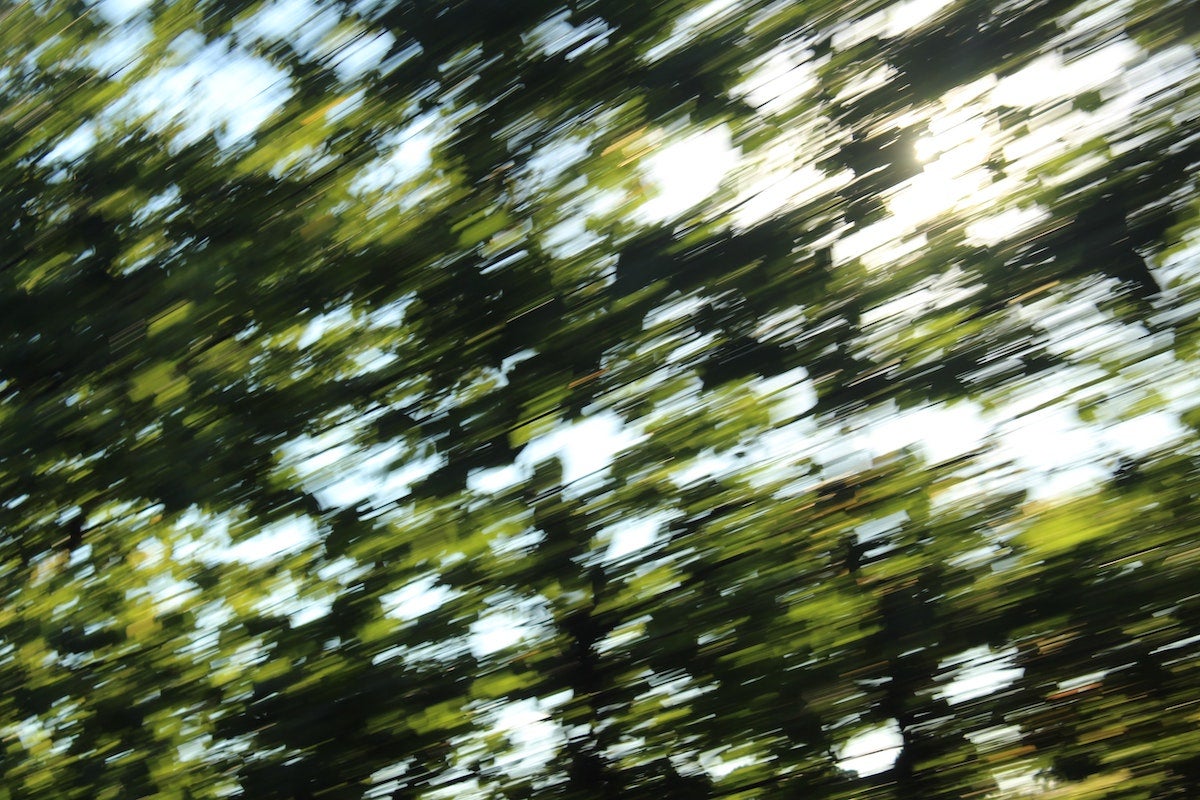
[953, 153]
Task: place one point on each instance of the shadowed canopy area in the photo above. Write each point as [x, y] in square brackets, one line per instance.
[607, 399]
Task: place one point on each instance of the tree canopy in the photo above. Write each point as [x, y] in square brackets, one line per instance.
[687, 399]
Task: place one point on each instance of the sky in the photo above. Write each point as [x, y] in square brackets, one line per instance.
[218, 87]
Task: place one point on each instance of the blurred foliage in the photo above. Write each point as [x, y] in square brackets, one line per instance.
[368, 429]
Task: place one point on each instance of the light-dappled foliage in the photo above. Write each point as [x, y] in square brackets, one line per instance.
[604, 400]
